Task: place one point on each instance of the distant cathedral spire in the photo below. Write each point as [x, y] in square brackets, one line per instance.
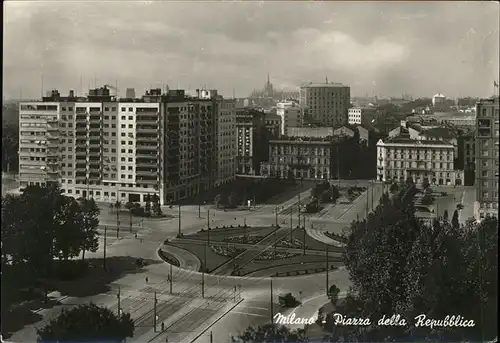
[268, 81]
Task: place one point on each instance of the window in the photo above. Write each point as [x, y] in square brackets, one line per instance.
[130, 109]
[123, 109]
[130, 159]
[123, 126]
[123, 150]
[122, 176]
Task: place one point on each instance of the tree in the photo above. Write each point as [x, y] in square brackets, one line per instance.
[272, 333]
[454, 220]
[10, 147]
[394, 188]
[156, 206]
[445, 215]
[425, 183]
[70, 229]
[427, 199]
[147, 206]
[88, 323]
[333, 294]
[217, 200]
[409, 181]
[232, 201]
[90, 220]
[334, 193]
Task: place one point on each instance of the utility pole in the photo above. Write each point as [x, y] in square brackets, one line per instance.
[104, 257]
[291, 225]
[171, 279]
[272, 309]
[130, 219]
[154, 312]
[304, 243]
[276, 212]
[203, 274]
[373, 185]
[118, 296]
[179, 220]
[118, 219]
[298, 213]
[367, 199]
[211, 337]
[327, 270]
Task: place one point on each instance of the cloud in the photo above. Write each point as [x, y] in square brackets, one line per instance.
[420, 48]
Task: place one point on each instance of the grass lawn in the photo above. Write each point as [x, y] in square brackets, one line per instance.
[213, 260]
[256, 264]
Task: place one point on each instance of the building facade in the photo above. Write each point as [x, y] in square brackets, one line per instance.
[291, 115]
[486, 144]
[226, 140]
[273, 124]
[307, 158]
[328, 103]
[401, 158]
[466, 159]
[113, 150]
[359, 115]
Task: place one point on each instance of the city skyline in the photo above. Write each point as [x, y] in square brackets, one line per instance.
[389, 48]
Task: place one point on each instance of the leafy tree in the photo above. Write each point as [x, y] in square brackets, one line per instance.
[147, 206]
[69, 229]
[409, 181]
[271, 333]
[88, 323]
[394, 188]
[10, 147]
[445, 215]
[90, 220]
[156, 205]
[425, 183]
[333, 294]
[232, 201]
[217, 200]
[454, 220]
[427, 199]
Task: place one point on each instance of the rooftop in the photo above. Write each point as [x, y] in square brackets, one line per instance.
[306, 140]
[327, 85]
[440, 132]
[407, 140]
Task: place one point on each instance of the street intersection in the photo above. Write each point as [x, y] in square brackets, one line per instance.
[225, 304]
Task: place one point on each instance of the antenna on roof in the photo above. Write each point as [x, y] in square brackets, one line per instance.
[326, 79]
[234, 93]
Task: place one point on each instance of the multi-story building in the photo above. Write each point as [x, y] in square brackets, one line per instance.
[273, 124]
[486, 137]
[114, 150]
[328, 103]
[226, 140]
[252, 138]
[466, 159]
[291, 115]
[308, 158]
[360, 115]
[400, 158]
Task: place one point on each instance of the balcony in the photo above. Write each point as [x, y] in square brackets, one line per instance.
[146, 164]
[146, 121]
[146, 139]
[148, 147]
[146, 130]
[149, 172]
[148, 156]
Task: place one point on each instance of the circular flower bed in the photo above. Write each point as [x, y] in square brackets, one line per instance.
[295, 243]
[244, 239]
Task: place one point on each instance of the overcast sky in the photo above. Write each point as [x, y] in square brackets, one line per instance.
[420, 48]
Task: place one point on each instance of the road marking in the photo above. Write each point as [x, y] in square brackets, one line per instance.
[248, 314]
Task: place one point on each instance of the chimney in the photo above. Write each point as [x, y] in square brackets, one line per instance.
[71, 94]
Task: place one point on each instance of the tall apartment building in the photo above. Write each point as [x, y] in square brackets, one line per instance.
[291, 115]
[114, 150]
[252, 138]
[226, 140]
[328, 103]
[486, 137]
[400, 158]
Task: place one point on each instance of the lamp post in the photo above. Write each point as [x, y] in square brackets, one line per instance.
[104, 254]
[180, 214]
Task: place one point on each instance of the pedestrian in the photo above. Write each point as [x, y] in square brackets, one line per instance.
[147, 279]
[162, 326]
[136, 236]
[141, 240]
[166, 339]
